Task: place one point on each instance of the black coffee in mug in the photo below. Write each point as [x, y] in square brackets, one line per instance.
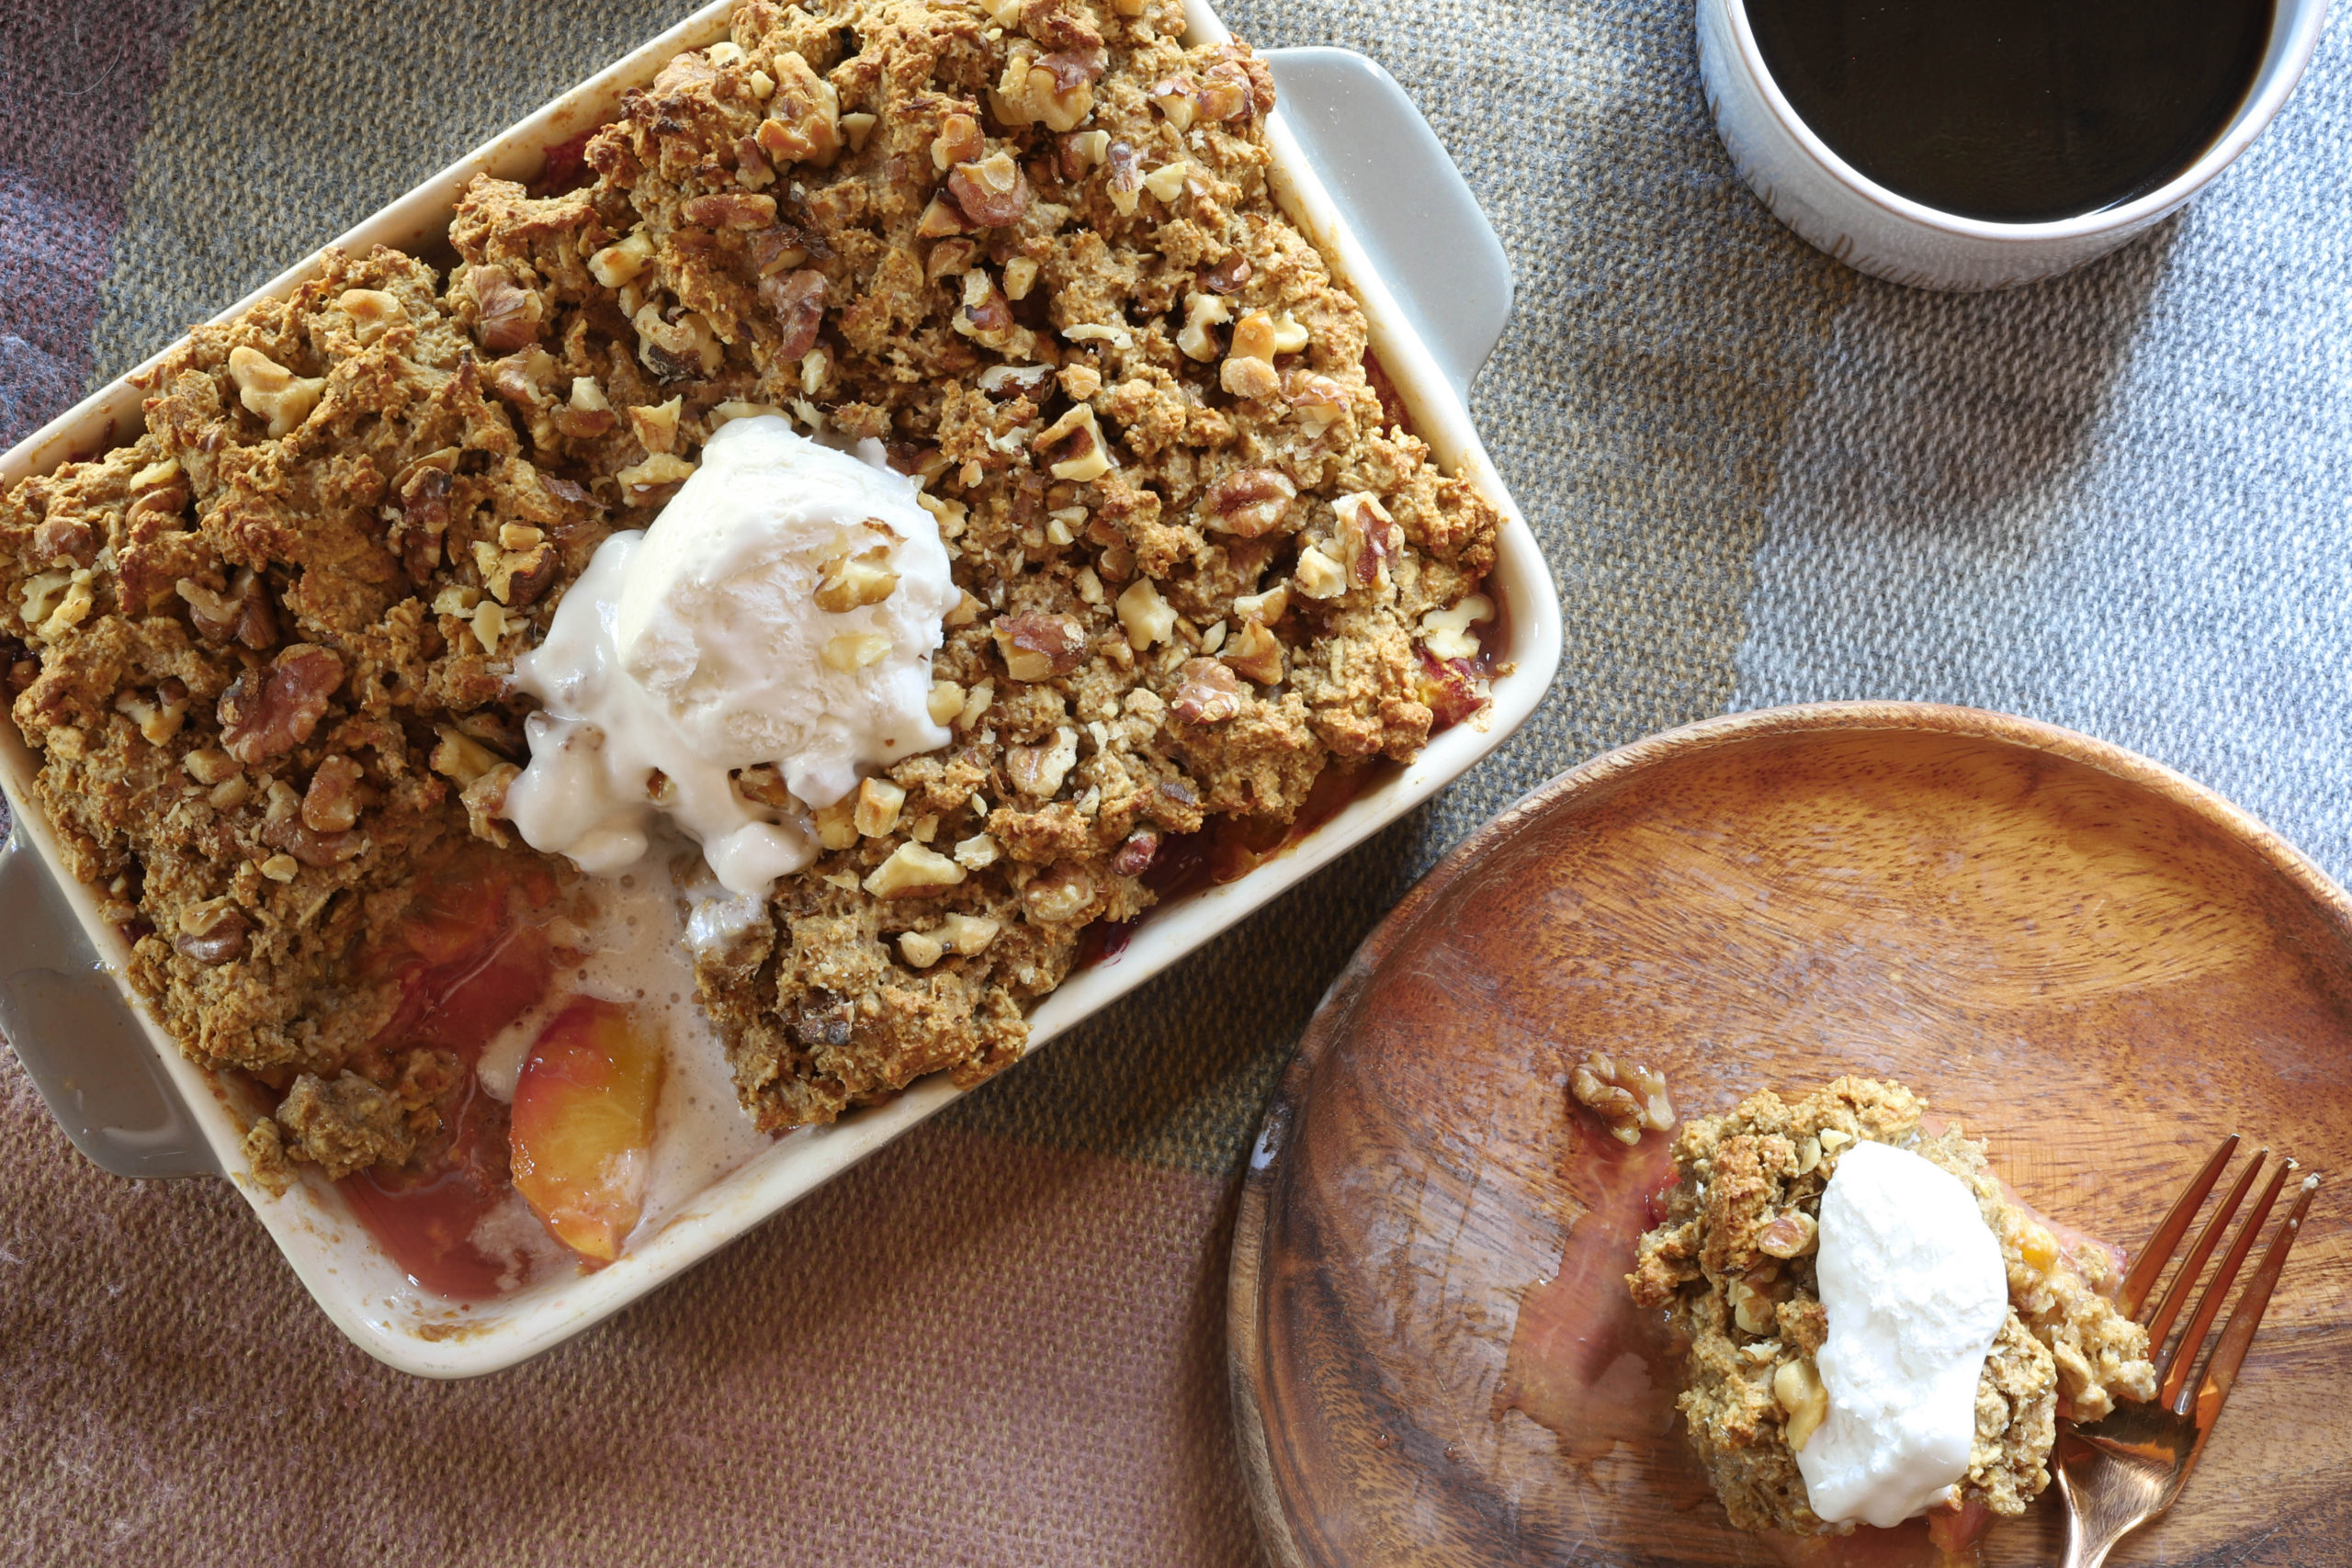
[2017, 111]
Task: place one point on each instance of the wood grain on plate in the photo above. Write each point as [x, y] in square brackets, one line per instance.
[2089, 960]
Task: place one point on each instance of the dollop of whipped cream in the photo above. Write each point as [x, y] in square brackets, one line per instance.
[1916, 1292]
[782, 609]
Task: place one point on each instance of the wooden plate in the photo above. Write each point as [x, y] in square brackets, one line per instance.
[2080, 955]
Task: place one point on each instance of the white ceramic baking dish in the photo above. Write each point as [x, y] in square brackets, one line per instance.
[1356, 164]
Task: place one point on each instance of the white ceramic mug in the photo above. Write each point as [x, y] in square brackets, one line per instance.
[1833, 205]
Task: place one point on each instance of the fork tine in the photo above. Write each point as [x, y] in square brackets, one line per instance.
[2229, 1351]
[2150, 1264]
[2176, 1293]
[2183, 1355]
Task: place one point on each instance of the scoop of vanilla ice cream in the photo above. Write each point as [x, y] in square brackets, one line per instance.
[782, 609]
[1913, 1283]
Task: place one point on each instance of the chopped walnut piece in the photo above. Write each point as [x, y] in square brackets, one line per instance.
[310, 846]
[523, 576]
[1208, 692]
[520, 377]
[619, 263]
[425, 489]
[159, 718]
[373, 313]
[1147, 617]
[332, 803]
[1083, 457]
[731, 210]
[1627, 1099]
[976, 705]
[1250, 503]
[676, 350]
[1267, 607]
[507, 316]
[762, 784]
[1053, 90]
[1038, 771]
[66, 539]
[1203, 311]
[1063, 895]
[797, 302]
[921, 949]
[265, 716]
[1792, 1233]
[993, 193]
[1320, 401]
[1167, 182]
[1249, 369]
[959, 142]
[1369, 538]
[941, 219]
[1225, 93]
[913, 872]
[213, 932]
[1797, 1387]
[1039, 647]
[804, 116]
[210, 765]
[1173, 96]
[656, 427]
[460, 757]
[1255, 654]
[651, 481]
[243, 614]
[967, 935]
[850, 582]
[879, 804]
[1318, 576]
[1446, 633]
[269, 390]
[837, 823]
[1137, 853]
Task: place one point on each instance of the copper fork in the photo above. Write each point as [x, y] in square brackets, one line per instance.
[2118, 1474]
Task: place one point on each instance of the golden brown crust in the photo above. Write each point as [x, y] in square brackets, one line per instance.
[1732, 1263]
[264, 649]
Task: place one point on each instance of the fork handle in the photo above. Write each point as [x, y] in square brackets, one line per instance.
[2095, 1520]
[2078, 1554]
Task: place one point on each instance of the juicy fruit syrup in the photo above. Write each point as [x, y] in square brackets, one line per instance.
[1584, 1360]
[2015, 110]
[467, 969]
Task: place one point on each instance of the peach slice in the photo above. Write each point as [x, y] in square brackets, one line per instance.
[583, 1126]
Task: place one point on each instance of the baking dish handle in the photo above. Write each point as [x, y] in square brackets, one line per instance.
[85, 1051]
[1403, 199]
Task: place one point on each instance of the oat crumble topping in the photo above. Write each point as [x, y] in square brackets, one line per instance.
[1732, 1264]
[263, 650]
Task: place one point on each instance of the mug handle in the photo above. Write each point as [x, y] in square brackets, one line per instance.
[1404, 199]
[80, 1043]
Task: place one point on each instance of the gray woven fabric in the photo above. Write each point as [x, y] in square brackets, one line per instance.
[2120, 500]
